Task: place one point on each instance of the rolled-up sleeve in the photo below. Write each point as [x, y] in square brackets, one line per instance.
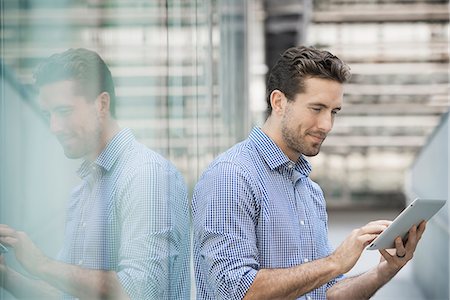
[150, 242]
[225, 217]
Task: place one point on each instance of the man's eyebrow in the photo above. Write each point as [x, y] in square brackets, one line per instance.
[324, 106]
[61, 106]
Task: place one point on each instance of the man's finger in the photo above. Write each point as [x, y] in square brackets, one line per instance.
[412, 239]
[5, 230]
[8, 240]
[386, 255]
[421, 229]
[399, 247]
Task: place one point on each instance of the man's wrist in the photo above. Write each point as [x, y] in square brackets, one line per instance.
[385, 272]
[336, 267]
[41, 267]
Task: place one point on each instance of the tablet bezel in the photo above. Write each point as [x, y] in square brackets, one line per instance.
[413, 214]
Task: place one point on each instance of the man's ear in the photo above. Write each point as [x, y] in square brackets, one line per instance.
[103, 102]
[278, 101]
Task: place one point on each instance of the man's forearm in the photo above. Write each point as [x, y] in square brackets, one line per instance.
[22, 287]
[360, 287]
[81, 282]
[291, 283]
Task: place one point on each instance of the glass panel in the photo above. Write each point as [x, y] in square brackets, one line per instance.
[181, 84]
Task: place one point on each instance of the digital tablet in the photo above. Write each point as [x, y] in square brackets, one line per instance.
[3, 248]
[413, 214]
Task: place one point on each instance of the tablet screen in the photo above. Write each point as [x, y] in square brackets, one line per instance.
[413, 214]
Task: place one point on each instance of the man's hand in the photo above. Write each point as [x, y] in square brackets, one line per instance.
[348, 253]
[26, 252]
[366, 284]
[392, 261]
[55, 276]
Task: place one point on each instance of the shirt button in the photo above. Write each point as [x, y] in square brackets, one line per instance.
[302, 222]
[305, 260]
[80, 262]
[84, 224]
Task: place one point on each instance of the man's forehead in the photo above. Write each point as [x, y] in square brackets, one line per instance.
[58, 93]
[62, 87]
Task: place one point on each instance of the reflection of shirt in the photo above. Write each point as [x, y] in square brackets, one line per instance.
[130, 215]
[255, 209]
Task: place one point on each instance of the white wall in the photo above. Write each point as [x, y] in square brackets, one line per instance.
[429, 178]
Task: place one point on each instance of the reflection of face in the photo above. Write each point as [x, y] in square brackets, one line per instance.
[310, 116]
[73, 119]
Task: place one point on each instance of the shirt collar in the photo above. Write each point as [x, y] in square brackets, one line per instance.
[274, 156]
[109, 155]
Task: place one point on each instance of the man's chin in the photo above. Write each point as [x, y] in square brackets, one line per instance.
[70, 154]
[313, 151]
[309, 154]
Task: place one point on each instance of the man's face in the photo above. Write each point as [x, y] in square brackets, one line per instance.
[309, 118]
[72, 118]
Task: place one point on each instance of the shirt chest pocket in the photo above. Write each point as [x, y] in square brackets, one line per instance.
[101, 235]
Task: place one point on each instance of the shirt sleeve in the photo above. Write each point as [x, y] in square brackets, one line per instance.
[150, 240]
[225, 212]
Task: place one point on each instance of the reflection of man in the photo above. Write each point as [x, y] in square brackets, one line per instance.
[127, 233]
[260, 223]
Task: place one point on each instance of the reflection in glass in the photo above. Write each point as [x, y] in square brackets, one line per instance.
[126, 232]
[180, 71]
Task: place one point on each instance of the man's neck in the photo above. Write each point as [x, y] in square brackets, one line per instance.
[273, 131]
[110, 130]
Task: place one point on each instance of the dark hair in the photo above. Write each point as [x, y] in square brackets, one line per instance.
[299, 63]
[85, 67]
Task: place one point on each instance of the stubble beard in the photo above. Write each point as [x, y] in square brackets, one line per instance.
[296, 140]
[85, 146]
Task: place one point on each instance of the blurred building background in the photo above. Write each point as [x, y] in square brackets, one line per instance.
[190, 79]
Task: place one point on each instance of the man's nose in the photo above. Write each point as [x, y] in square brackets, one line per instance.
[55, 124]
[326, 122]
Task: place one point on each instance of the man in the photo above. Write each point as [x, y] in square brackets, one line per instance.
[260, 223]
[127, 233]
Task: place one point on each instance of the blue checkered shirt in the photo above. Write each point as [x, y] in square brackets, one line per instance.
[130, 214]
[255, 209]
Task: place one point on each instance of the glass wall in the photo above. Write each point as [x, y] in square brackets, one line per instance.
[180, 67]
[181, 75]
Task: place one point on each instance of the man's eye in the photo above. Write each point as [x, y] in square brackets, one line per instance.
[316, 109]
[64, 111]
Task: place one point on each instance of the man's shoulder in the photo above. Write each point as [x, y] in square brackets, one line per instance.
[239, 161]
[242, 155]
[138, 156]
